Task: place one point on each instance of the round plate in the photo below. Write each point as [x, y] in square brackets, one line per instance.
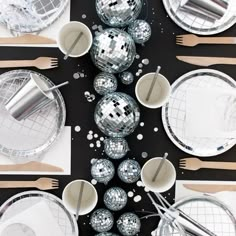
[25, 200]
[28, 16]
[173, 113]
[209, 212]
[196, 25]
[25, 140]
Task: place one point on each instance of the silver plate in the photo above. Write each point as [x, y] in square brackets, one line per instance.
[209, 212]
[196, 25]
[25, 200]
[28, 16]
[25, 140]
[173, 113]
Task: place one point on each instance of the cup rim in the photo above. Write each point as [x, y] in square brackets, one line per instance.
[89, 33]
[92, 206]
[159, 104]
[159, 189]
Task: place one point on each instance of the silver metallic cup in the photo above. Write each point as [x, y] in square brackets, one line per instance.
[213, 9]
[29, 99]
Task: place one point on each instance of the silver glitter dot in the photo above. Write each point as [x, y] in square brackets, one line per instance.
[86, 93]
[94, 181]
[91, 145]
[139, 136]
[130, 194]
[94, 27]
[90, 132]
[141, 124]
[140, 65]
[137, 198]
[137, 56]
[146, 189]
[95, 135]
[140, 184]
[145, 61]
[155, 129]
[76, 75]
[101, 139]
[89, 136]
[140, 71]
[144, 154]
[77, 128]
[84, 16]
[93, 161]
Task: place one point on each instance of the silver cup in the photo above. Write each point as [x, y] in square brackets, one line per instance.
[30, 98]
[211, 9]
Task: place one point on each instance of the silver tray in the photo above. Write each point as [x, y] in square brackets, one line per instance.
[28, 16]
[173, 113]
[209, 212]
[196, 25]
[26, 140]
[25, 200]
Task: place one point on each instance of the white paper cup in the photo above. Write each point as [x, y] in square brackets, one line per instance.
[70, 197]
[68, 34]
[165, 179]
[160, 93]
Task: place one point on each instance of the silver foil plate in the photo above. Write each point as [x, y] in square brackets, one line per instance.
[173, 113]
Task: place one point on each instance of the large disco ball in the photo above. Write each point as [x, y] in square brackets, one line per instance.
[117, 114]
[113, 51]
[118, 13]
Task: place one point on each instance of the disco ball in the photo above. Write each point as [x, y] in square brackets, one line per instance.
[129, 171]
[115, 199]
[129, 224]
[107, 234]
[103, 170]
[126, 77]
[105, 83]
[116, 148]
[101, 220]
[113, 51]
[140, 31]
[118, 13]
[117, 114]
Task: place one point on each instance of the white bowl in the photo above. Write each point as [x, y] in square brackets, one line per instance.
[165, 179]
[160, 93]
[70, 197]
[67, 35]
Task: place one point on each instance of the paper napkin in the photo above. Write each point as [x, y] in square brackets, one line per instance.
[208, 113]
[39, 218]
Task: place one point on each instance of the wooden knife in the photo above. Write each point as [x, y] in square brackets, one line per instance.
[27, 39]
[207, 61]
[31, 166]
[210, 188]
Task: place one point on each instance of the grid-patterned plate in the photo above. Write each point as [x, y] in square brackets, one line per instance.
[25, 200]
[25, 140]
[28, 16]
[173, 113]
[197, 25]
[209, 212]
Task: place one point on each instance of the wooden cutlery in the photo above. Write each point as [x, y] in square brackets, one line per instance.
[31, 166]
[196, 164]
[191, 40]
[207, 61]
[210, 188]
[41, 63]
[41, 183]
[27, 39]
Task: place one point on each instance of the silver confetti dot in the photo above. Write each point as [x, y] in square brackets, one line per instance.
[137, 198]
[91, 145]
[145, 61]
[76, 75]
[89, 136]
[77, 128]
[139, 136]
[84, 16]
[144, 154]
[141, 124]
[155, 129]
[130, 194]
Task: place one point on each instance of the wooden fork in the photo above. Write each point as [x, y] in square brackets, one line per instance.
[41, 183]
[196, 164]
[41, 63]
[192, 40]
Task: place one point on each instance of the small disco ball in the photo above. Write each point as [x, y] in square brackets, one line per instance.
[116, 148]
[126, 77]
[115, 199]
[128, 224]
[118, 13]
[129, 171]
[107, 234]
[113, 51]
[105, 83]
[140, 31]
[117, 114]
[103, 170]
[101, 220]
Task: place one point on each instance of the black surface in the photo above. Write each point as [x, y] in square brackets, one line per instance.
[160, 50]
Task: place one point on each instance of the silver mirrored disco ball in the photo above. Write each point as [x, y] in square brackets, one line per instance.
[129, 224]
[113, 51]
[118, 13]
[116, 148]
[115, 198]
[107, 234]
[126, 77]
[103, 170]
[140, 31]
[101, 220]
[105, 83]
[129, 171]
[117, 114]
